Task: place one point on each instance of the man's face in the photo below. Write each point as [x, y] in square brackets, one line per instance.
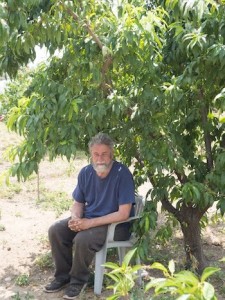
[101, 157]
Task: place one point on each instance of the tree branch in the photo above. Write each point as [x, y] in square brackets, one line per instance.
[86, 25]
[170, 208]
[93, 35]
[181, 177]
[207, 137]
[106, 84]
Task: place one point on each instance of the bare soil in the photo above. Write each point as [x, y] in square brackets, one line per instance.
[24, 224]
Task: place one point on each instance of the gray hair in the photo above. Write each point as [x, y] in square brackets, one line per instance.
[101, 139]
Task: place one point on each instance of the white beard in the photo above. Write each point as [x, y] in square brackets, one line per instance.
[102, 168]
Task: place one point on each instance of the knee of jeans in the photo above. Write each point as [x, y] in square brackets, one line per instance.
[53, 230]
[81, 239]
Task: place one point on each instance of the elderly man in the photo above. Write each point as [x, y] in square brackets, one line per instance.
[104, 194]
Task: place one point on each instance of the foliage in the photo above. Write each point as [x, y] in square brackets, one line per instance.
[123, 276]
[22, 280]
[15, 90]
[144, 226]
[184, 284]
[181, 285]
[148, 73]
[44, 261]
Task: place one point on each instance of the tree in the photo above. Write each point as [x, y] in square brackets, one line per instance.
[148, 73]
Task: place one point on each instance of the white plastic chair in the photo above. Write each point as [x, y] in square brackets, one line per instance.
[100, 257]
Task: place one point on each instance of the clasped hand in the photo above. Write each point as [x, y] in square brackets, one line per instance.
[79, 224]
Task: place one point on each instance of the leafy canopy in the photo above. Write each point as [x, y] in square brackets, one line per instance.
[151, 74]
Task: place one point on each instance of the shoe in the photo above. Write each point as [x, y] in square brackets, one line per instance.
[74, 290]
[56, 285]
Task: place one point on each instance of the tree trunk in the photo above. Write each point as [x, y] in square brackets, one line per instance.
[189, 219]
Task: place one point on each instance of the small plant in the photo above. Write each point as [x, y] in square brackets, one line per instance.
[44, 261]
[22, 280]
[2, 227]
[18, 214]
[123, 276]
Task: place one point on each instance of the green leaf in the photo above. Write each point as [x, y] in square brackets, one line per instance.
[111, 265]
[208, 272]
[208, 291]
[171, 267]
[188, 277]
[129, 256]
[184, 297]
[154, 283]
[159, 266]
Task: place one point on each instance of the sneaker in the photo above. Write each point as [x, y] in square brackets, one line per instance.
[56, 285]
[74, 290]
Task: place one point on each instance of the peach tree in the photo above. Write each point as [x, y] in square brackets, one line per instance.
[150, 73]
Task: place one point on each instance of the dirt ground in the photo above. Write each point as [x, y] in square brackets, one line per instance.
[24, 225]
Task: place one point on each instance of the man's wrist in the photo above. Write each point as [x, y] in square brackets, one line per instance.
[75, 216]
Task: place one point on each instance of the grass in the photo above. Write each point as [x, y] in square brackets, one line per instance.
[44, 241]
[10, 191]
[54, 200]
[44, 261]
[27, 296]
[22, 280]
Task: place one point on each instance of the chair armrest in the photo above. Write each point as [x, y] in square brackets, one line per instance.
[111, 227]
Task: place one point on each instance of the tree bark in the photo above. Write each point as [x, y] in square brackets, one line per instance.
[189, 218]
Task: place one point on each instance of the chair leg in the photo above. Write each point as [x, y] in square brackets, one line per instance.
[121, 254]
[138, 262]
[100, 259]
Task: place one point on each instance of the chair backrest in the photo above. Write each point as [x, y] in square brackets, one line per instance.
[139, 205]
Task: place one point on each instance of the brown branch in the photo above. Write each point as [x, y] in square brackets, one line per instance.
[170, 208]
[86, 25]
[207, 137]
[106, 84]
[181, 177]
[93, 35]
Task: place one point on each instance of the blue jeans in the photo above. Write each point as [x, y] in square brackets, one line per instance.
[73, 252]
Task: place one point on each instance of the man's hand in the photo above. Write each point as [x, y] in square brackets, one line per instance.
[79, 224]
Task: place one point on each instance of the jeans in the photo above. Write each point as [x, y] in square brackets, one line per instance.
[73, 252]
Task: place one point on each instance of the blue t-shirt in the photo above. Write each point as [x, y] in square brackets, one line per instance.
[103, 196]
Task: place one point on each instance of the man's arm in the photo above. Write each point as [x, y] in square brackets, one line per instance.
[121, 215]
[77, 210]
